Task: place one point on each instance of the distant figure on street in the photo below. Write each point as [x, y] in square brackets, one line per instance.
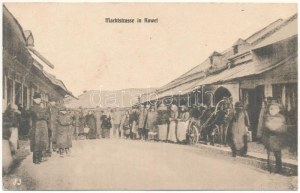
[237, 130]
[116, 119]
[53, 109]
[273, 134]
[76, 124]
[124, 126]
[81, 121]
[145, 130]
[133, 121]
[172, 134]
[106, 124]
[39, 138]
[183, 122]
[64, 132]
[98, 114]
[151, 123]
[163, 122]
[90, 122]
[142, 121]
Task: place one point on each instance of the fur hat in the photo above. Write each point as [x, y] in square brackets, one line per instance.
[275, 103]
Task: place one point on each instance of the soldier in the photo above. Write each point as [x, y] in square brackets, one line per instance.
[39, 129]
[53, 109]
[64, 131]
[76, 124]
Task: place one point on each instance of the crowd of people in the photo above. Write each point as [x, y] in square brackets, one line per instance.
[52, 128]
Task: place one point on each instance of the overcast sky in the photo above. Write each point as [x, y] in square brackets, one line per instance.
[91, 54]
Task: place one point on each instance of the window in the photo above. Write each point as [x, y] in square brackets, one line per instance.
[235, 49]
[9, 90]
[18, 93]
[277, 92]
[25, 105]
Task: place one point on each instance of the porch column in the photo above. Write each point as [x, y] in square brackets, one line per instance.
[268, 90]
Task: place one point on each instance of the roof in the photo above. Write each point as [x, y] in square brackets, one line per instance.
[12, 22]
[57, 82]
[239, 42]
[215, 53]
[9, 16]
[197, 75]
[245, 70]
[264, 30]
[258, 68]
[288, 29]
[27, 33]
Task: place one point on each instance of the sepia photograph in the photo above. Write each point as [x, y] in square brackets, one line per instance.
[149, 96]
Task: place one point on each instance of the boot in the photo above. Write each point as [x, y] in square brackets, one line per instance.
[61, 152]
[35, 158]
[278, 162]
[40, 156]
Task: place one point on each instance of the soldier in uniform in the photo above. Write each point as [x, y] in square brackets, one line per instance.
[64, 131]
[53, 109]
[39, 129]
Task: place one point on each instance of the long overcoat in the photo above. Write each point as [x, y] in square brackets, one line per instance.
[90, 121]
[39, 139]
[237, 129]
[53, 122]
[274, 132]
[64, 131]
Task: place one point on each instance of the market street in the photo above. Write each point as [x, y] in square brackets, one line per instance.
[136, 165]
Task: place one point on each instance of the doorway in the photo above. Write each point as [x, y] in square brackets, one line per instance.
[254, 104]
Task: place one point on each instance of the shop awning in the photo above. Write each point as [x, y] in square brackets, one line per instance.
[40, 56]
[58, 83]
[259, 68]
[241, 71]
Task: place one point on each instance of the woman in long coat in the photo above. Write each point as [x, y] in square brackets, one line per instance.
[64, 131]
[90, 121]
[151, 123]
[39, 139]
[163, 122]
[173, 124]
[237, 130]
[124, 126]
[133, 121]
[183, 123]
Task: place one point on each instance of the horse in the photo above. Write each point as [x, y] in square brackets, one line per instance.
[214, 127]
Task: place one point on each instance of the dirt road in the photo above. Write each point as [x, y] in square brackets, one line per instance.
[136, 165]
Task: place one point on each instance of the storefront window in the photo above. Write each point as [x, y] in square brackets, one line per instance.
[25, 105]
[18, 93]
[277, 92]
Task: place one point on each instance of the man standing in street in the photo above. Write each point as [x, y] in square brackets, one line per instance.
[106, 124]
[64, 127]
[53, 109]
[97, 114]
[116, 119]
[39, 129]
